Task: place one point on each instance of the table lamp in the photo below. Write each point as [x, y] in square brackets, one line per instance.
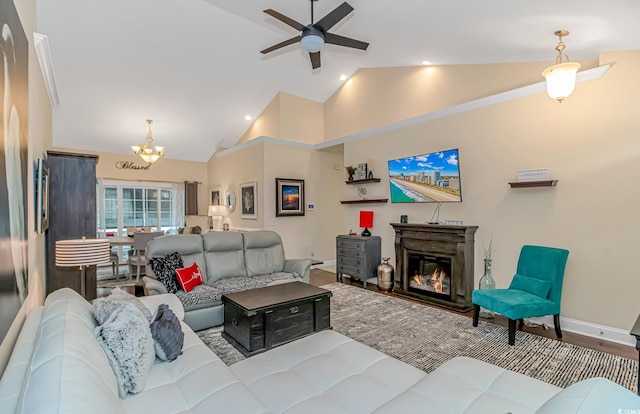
[217, 211]
[82, 253]
[366, 221]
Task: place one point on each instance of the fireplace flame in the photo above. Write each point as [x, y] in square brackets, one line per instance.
[416, 278]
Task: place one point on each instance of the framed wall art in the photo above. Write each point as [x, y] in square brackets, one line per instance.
[216, 197]
[289, 197]
[249, 200]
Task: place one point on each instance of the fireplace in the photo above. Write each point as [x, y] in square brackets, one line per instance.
[434, 263]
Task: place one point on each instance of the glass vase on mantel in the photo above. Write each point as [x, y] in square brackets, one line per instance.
[487, 283]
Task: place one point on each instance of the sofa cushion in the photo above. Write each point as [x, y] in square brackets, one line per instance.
[126, 339]
[167, 334]
[189, 277]
[591, 396]
[188, 245]
[67, 364]
[103, 307]
[224, 255]
[264, 252]
[213, 292]
[165, 270]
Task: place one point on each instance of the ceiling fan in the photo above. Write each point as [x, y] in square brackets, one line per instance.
[314, 35]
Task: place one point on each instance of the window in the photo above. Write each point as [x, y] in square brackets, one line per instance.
[123, 204]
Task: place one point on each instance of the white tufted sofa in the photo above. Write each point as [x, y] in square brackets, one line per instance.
[58, 367]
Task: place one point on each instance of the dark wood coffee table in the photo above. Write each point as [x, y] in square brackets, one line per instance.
[259, 319]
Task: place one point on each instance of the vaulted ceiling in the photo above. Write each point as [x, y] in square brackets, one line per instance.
[195, 67]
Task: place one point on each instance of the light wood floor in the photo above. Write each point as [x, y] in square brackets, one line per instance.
[321, 277]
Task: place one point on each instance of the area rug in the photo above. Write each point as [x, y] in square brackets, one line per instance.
[426, 337]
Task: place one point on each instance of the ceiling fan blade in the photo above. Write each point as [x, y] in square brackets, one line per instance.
[330, 20]
[284, 19]
[281, 45]
[335, 39]
[315, 59]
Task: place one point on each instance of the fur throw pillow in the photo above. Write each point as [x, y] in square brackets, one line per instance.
[105, 306]
[165, 270]
[167, 334]
[126, 339]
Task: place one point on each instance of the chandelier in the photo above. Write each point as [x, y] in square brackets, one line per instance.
[561, 77]
[147, 151]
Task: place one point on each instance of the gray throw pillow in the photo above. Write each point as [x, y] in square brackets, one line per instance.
[167, 334]
[126, 340]
[165, 270]
[105, 306]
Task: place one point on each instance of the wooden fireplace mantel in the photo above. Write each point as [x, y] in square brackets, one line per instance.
[446, 241]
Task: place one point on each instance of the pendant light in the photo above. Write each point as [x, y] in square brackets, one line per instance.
[561, 77]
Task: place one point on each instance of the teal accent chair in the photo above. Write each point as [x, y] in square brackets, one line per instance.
[535, 290]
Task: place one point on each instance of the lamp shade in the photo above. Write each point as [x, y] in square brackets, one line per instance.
[217, 211]
[561, 79]
[82, 252]
[366, 219]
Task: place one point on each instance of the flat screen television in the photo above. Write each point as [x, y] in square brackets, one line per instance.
[426, 178]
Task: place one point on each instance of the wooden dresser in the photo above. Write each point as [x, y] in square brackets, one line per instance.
[357, 256]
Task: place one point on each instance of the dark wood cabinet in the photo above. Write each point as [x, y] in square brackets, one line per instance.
[72, 215]
[357, 256]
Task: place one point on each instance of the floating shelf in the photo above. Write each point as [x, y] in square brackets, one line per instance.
[541, 183]
[368, 180]
[365, 201]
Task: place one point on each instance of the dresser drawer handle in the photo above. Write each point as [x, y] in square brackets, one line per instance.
[235, 322]
[294, 309]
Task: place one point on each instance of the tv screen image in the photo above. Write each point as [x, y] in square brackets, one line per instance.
[426, 178]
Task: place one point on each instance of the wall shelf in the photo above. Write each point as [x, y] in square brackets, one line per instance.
[541, 183]
[368, 180]
[365, 201]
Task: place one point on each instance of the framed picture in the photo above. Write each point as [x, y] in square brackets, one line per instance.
[289, 197]
[216, 197]
[42, 196]
[249, 200]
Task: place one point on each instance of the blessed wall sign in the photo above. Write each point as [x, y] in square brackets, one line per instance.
[128, 165]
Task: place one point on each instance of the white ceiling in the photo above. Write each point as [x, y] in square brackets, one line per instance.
[194, 67]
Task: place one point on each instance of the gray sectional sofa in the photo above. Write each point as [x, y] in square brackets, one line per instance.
[229, 262]
[57, 366]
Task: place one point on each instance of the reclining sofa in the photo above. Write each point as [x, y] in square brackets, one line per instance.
[58, 366]
[229, 262]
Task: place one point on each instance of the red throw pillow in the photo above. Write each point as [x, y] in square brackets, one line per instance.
[189, 277]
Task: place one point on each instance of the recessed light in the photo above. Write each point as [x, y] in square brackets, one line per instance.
[343, 77]
[248, 118]
[426, 62]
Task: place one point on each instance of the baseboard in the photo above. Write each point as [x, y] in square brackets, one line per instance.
[606, 333]
[325, 263]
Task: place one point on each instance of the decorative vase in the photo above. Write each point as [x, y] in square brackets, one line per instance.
[385, 275]
[487, 283]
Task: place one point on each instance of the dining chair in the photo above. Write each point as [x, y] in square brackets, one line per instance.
[138, 259]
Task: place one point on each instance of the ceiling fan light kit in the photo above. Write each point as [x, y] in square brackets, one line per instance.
[561, 77]
[313, 36]
[312, 40]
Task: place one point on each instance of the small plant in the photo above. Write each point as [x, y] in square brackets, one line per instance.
[488, 251]
[350, 170]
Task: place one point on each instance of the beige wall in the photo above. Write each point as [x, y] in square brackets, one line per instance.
[264, 162]
[589, 143]
[39, 139]
[289, 117]
[379, 96]
[231, 170]
[165, 170]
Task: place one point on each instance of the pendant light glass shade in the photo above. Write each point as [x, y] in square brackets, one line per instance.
[148, 151]
[561, 77]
